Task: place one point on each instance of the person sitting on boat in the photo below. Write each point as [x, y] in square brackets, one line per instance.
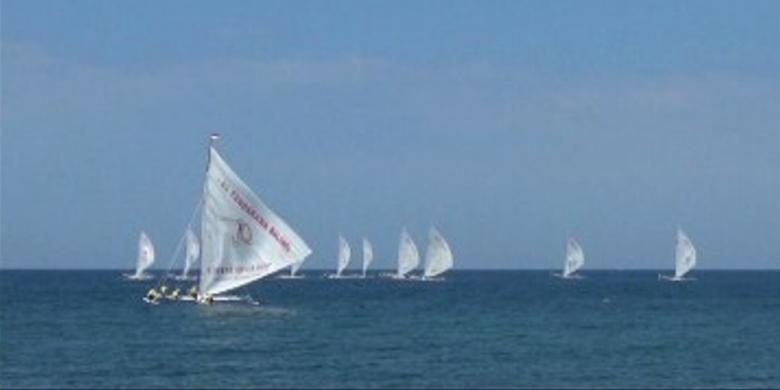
[193, 292]
[174, 294]
[163, 289]
[153, 295]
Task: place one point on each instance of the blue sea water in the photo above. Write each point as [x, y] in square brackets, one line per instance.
[476, 329]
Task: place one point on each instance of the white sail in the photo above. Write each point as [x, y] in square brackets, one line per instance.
[438, 256]
[344, 254]
[575, 258]
[242, 240]
[193, 251]
[145, 255]
[295, 267]
[408, 257]
[368, 255]
[685, 255]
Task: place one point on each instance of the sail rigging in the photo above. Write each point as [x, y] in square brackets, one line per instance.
[192, 252]
[438, 256]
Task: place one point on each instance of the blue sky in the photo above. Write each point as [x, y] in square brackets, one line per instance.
[507, 125]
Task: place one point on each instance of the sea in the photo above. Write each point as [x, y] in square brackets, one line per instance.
[475, 329]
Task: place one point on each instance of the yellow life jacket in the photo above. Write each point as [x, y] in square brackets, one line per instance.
[153, 294]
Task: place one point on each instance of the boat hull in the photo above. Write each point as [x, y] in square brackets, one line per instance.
[215, 299]
[409, 278]
[668, 278]
[286, 276]
[137, 278]
[568, 277]
[350, 276]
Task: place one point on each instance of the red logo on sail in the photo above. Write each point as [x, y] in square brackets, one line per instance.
[243, 232]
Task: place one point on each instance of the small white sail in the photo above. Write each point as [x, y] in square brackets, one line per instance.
[408, 257]
[685, 255]
[242, 240]
[145, 256]
[344, 254]
[575, 258]
[438, 256]
[193, 251]
[295, 267]
[368, 255]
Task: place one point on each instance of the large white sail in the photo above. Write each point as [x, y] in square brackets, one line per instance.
[344, 254]
[438, 256]
[685, 255]
[575, 258]
[145, 255]
[408, 257]
[242, 240]
[193, 251]
[368, 255]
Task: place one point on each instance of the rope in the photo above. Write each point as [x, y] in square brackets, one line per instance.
[180, 243]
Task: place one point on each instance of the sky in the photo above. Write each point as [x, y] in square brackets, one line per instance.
[508, 125]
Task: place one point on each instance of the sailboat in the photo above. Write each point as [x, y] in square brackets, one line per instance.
[293, 272]
[575, 259]
[438, 256]
[191, 256]
[242, 239]
[408, 257]
[685, 258]
[145, 259]
[368, 256]
[343, 260]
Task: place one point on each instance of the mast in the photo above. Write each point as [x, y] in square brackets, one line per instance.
[213, 138]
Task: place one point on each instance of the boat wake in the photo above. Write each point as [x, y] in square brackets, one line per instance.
[668, 278]
[137, 278]
[290, 277]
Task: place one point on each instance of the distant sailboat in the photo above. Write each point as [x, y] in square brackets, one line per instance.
[145, 259]
[685, 258]
[368, 255]
[191, 256]
[294, 268]
[343, 259]
[408, 256]
[294, 271]
[575, 259]
[438, 256]
[242, 239]
[344, 254]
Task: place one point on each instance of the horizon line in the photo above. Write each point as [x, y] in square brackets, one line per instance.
[393, 269]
